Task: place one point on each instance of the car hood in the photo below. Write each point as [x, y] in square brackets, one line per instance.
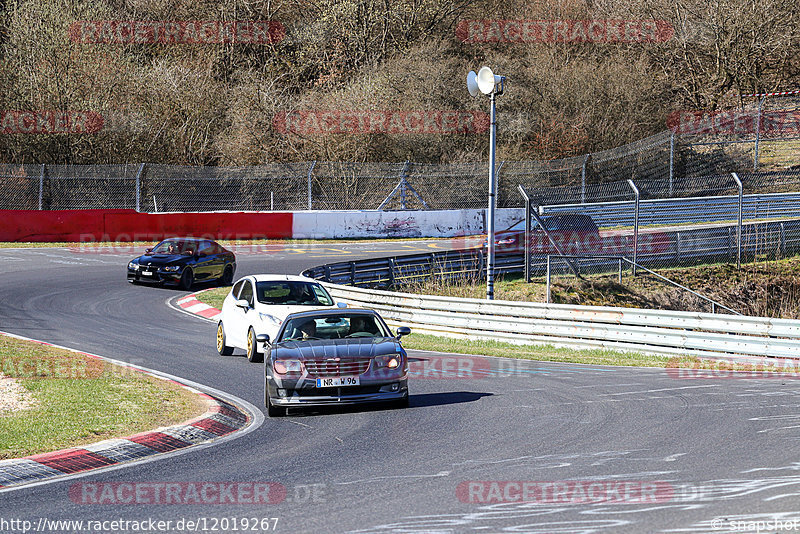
[320, 349]
[280, 311]
[161, 259]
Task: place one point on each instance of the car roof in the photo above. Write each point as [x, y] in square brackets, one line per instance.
[280, 278]
[188, 239]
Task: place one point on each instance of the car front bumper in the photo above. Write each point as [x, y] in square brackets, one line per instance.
[157, 277]
[384, 392]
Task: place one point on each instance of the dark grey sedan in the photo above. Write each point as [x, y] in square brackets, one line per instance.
[334, 357]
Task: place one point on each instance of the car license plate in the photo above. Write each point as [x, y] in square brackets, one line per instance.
[147, 273]
[337, 381]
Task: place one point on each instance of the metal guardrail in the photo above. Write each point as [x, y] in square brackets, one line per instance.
[580, 327]
[682, 247]
[685, 210]
[583, 327]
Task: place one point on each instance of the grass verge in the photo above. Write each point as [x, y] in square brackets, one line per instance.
[78, 400]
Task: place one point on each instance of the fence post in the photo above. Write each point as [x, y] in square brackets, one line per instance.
[635, 225]
[758, 133]
[583, 177]
[41, 186]
[783, 241]
[547, 276]
[139, 188]
[527, 244]
[671, 162]
[310, 171]
[739, 224]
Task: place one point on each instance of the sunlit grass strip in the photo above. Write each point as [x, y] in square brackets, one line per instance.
[80, 400]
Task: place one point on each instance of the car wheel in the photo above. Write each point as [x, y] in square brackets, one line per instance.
[187, 279]
[222, 348]
[227, 276]
[253, 355]
[274, 411]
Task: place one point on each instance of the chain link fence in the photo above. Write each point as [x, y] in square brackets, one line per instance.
[694, 158]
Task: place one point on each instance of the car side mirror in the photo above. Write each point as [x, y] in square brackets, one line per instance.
[242, 303]
[148, 250]
[262, 338]
[403, 331]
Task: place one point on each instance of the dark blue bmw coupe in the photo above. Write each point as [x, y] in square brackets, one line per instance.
[184, 261]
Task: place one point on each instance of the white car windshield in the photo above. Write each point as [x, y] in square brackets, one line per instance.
[292, 293]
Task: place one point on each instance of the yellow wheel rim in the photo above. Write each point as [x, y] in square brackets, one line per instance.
[220, 336]
[249, 343]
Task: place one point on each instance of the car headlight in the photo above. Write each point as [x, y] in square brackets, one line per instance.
[391, 361]
[133, 266]
[286, 367]
[171, 268]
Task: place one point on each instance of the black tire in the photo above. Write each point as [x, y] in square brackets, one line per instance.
[227, 276]
[222, 348]
[187, 279]
[274, 411]
[253, 356]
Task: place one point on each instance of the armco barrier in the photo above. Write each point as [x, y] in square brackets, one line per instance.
[129, 225]
[583, 327]
[685, 210]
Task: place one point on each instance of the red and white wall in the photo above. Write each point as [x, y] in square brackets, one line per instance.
[129, 225]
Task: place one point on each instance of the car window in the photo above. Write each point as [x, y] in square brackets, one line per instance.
[205, 248]
[292, 293]
[247, 292]
[236, 288]
[333, 327]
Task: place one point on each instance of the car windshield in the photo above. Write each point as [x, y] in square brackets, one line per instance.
[292, 293]
[175, 246]
[334, 327]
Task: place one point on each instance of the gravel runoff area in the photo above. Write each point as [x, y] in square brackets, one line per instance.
[13, 396]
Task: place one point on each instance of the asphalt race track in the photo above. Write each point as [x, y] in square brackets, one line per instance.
[597, 449]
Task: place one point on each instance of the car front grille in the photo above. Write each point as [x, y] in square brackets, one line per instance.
[326, 368]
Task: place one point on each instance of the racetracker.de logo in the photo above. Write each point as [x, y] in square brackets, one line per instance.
[381, 122]
[188, 493]
[735, 122]
[50, 122]
[564, 31]
[260, 32]
[778, 369]
[564, 492]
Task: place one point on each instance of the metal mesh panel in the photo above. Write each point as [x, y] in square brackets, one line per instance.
[20, 186]
[90, 186]
[261, 188]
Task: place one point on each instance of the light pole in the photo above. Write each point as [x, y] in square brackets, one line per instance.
[490, 84]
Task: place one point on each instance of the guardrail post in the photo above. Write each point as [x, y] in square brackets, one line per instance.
[739, 224]
[41, 186]
[391, 271]
[310, 172]
[327, 273]
[635, 225]
[352, 273]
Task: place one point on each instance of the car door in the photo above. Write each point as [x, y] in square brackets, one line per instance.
[204, 261]
[244, 317]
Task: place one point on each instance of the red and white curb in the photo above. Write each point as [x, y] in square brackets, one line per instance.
[222, 418]
[190, 304]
